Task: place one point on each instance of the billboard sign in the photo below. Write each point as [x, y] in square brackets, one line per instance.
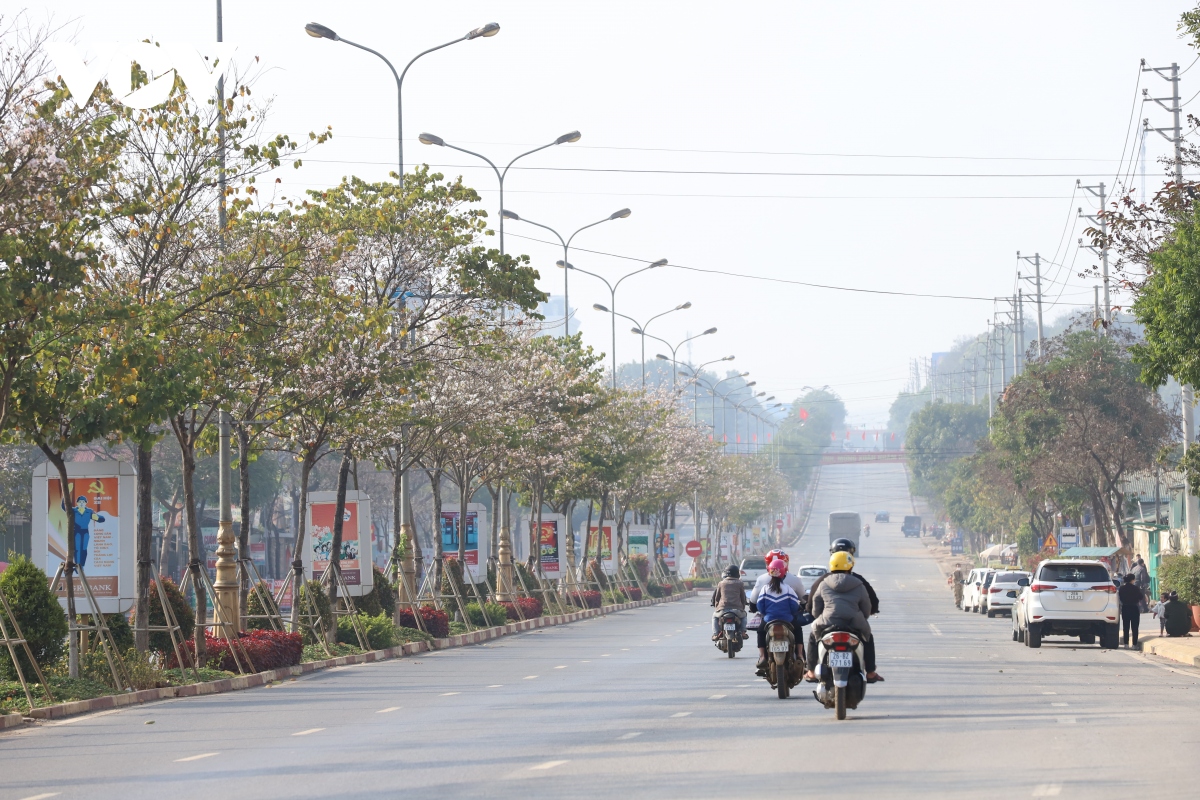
[552, 553]
[99, 515]
[356, 534]
[476, 552]
[605, 532]
[639, 538]
[669, 548]
[1068, 537]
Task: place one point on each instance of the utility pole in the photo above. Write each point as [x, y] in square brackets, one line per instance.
[1096, 312]
[1102, 250]
[990, 371]
[1037, 283]
[1171, 74]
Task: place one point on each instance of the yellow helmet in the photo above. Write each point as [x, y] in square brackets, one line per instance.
[841, 561]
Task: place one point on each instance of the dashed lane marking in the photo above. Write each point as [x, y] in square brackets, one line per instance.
[1047, 790]
[548, 765]
[631, 735]
[307, 732]
[1060, 705]
[42, 796]
[448, 694]
[562, 667]
[388, 710]
[196, 758]
[495, 686]
[934, 629]
[716, 697]
[682, 714]
[529, 677]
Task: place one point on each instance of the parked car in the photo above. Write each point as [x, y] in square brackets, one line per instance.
[1002, 591]
[752, 567]
[1067, 597]
[973, 586]
[911, 526]
[883, 516]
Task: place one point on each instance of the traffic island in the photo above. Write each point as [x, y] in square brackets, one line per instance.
[239, 682]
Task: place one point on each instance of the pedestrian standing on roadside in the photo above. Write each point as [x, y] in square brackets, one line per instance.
[1131, 599]
[956, 579]
[1159, 612]
[1141, 576]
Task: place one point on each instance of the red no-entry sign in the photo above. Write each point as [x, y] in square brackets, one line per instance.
[693, 549]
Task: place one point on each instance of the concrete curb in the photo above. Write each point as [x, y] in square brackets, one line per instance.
[240, 682]
[1184, 649]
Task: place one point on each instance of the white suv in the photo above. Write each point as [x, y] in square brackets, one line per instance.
[752, 567]
[1067, 597]
[1002, 591]
[973, 588]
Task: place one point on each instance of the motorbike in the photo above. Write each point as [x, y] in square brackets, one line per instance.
[839, 671]
[730, 640]
[783, 670]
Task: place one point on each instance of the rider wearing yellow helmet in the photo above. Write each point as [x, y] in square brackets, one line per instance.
[847, 545]
[840, 600]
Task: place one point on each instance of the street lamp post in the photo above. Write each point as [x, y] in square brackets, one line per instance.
[751, 399]
[675, 349]
[319, 31]
[714, 406]
[640, 329]
[504, 588]
[612, 293]
[695, 380]
[566, 245]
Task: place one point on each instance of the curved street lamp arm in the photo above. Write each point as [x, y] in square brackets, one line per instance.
[611, 289]
[584, 228]
[518, 158]
[427, 52]
[546, 228]
[477, 155]
[664, 341]
[663, 314]
[630, 275]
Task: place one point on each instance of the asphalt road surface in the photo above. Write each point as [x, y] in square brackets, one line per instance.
[640, 704]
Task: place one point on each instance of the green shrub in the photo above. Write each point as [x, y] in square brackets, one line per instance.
[1181, 574]
[614, 597]
[702, 583]
[381, 633]
[254, 607]
[381, 599]
[316, 591]
[42, 620]
[161, 640]
[595, 574]
[406, 635]
[641, 565]
[496, 614]
[122, 634]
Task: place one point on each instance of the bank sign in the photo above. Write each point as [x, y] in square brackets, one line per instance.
[162, 62]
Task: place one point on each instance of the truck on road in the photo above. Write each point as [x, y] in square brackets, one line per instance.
[911, 526]
[845, 525]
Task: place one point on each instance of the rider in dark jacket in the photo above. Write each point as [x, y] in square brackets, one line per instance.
[868, 645]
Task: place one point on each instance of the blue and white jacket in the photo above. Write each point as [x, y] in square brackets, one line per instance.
[781, 605]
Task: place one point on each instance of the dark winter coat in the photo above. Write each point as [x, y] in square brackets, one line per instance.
[841, 600]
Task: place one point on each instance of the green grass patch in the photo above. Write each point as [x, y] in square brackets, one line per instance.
[314, 652]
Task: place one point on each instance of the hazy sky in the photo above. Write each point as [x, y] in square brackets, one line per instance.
[903, 147]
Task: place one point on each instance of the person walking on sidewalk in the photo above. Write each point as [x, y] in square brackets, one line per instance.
[1131, 599]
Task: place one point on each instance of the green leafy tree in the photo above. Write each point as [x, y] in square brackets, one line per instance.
[43, 624]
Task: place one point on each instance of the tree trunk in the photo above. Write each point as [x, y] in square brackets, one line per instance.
[397, 518]
[145, 535]
[170, 532]
[463, 496]
[418, 549]
[196, 554]
[300, 512]
[439, 553]
[243, 437]
[335, 547]
[64, 485]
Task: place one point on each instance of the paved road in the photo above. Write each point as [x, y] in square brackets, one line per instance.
[640, 704]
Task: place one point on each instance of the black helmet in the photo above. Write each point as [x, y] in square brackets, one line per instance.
[842, 545]
[732, 571]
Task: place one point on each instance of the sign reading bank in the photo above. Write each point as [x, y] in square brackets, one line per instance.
[200, 67]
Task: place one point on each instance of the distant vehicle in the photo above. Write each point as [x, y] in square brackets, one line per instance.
[1002, 592]
[883, 516]
[752, 568]
[1068, 597]
[973, 588]
[911, 526]
[845, 525]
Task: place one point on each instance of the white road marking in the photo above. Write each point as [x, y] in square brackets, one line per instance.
[1047, 790]
[1066, 720]
[196, 758]
[529, 677]
[624, 649]
[654, 640]
[632, 735]
[42, 796]
[448, 694]
[1049, 692]
[682, 714]
[388, 710]
[934, 629]
[307, 732]
[549, 765]
[585, 661]
[495, 686]
[743, 686]
[1060, 705]
[605, 655]
[716, 697]
[562, 667]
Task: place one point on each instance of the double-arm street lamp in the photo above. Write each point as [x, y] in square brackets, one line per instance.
[566, 245]
[674, 350]
[429, 138]
[319, 31]
[695, 379]
[612, 294]
[640, 329]
[713, 390]
[753, 398]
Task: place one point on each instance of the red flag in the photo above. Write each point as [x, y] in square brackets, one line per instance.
[832, 436]
[847, 434]
[803, 414]
[893, 436]
[864, 436]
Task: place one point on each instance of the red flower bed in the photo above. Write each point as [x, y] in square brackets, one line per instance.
[586, 599]
[437, 624]
[688, 585]
[634, 593]
[266, 650]
[667, 589]
[531, 607]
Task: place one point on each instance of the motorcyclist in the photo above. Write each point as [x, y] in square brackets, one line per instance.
[763, 581]
[840, 601]
[847, 546]
[729, 596]
[777, 601]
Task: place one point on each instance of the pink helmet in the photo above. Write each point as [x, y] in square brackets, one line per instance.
[777, 568]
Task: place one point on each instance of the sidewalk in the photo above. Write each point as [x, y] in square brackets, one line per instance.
[1184, 649]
